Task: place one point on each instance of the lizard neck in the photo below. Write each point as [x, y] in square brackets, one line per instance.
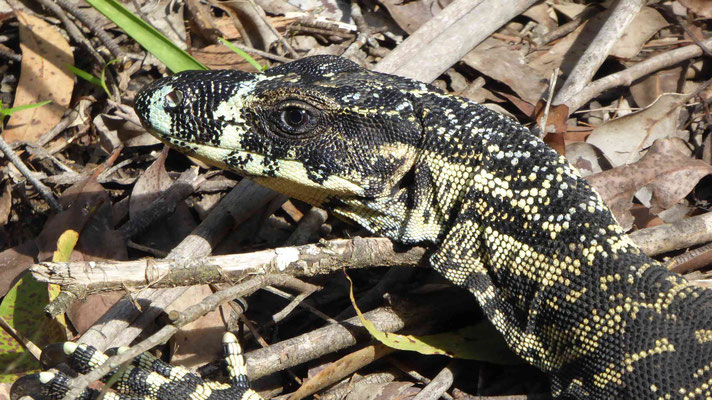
[429, 197]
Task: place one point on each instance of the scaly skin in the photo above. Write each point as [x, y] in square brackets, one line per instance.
[507, 217]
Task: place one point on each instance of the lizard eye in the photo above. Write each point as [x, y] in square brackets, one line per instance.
[294, 117]
[173, 99]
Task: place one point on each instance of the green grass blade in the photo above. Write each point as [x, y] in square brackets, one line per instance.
[242, 54]
[5, 112]
[147, 36]
[85, 75]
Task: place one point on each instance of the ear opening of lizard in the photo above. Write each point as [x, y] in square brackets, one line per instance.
[505, 216]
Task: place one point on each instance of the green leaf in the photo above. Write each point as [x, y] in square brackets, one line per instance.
[147, 36]
[479, 342]
[85, 75]
[23, 309]
[103, 76]
[6, 112]
[396, 341]
[242, 54]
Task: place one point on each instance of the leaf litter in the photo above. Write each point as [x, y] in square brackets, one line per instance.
[644, 144]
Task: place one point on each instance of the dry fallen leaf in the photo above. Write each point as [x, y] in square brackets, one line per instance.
[584, 157]
[507, 64]
[565, 52]
[13, 262]
[669, 173]
[641, 29]
[701, 7]
[569, 9]
[543, 15]
[43, 76]
[200, 341]
[624, 140]
[5, 204]
[556, 119]
[218, 56]
[170, 231]
[410, 15]
[647, 90]
[87, 210]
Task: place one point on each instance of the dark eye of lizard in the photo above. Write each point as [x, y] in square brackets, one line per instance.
[294, 117]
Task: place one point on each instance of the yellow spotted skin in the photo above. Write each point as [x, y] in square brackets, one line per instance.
[505, 216]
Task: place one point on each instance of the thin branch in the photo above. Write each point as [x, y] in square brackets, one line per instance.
[43, 190]
[639, 70]
[73, 30]
[123, 322]
[90, 23]
[179, 319]
[439, 385]
[620, 17]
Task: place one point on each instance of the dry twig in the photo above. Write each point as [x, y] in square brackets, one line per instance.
[620, 17]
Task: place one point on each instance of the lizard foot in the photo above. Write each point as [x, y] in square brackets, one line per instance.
[147, 378]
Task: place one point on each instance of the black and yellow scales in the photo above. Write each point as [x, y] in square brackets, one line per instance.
[505, 216]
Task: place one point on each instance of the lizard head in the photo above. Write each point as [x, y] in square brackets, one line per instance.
[318, 129]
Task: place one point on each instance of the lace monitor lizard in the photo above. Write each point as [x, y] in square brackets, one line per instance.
[505, 216]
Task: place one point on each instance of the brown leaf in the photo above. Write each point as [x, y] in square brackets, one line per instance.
[556, 118]
[670, 174]
[585, 157]
[13, 262]
[84, 314]
[84, 202]
[43, 76]
[642, 28]
[647, 90]
[540, 13]
[5, 204]
[565, 52]
[87, 210]
[624, 140]
[523, 106]
[701, 7]
[410, 15]
[200, 341]
[681, 174]
[165, 234]
[507, 64]
[220, 57]
[569, 9]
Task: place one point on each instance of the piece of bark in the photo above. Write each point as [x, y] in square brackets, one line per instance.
[448, 36]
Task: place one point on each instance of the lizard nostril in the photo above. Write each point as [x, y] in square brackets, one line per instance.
[173, 99]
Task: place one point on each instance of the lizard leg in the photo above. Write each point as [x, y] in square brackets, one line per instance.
[147, 378]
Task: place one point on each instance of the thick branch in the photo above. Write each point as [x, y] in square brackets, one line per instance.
[307, 260]
[448, 36]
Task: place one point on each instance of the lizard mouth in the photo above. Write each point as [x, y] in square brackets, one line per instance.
[263, 169]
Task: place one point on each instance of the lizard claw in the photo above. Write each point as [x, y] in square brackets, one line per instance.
[147, 378]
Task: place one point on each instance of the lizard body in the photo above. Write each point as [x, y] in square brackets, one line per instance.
[505, 216]
[508, 218]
